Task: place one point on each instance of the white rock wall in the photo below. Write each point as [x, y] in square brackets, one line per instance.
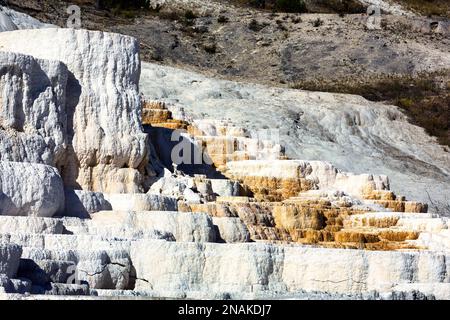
[323, 174]
[33, 119]
[28, 189]
[262, 269]
[103, 105]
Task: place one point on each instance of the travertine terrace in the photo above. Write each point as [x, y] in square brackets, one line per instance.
[92, 205]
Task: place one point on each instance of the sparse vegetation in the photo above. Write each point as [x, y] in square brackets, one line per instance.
[296, 19]
[124, 8]
[338, 6]
[302, 6]
[210, 47]
[256, 26]
[423, 100]
[223, 19]
[190, 15]
[440, 8]
[281, 26]
[317, 23]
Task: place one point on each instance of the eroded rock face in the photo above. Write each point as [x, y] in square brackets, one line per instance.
[232, 229]
[9, 259]
[24, 226]
[352, 133]
[33, 118]
[261, 268]
[6, 24]
[13, 20]
[194, 227]
[28, 189]
[141, 202]
[280, 179]
[108, 150]
[80, 203]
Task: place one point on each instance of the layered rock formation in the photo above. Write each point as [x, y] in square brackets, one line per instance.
[353, 134]
[247, 222]
[30, 190]
[33, 118]
[106, 149]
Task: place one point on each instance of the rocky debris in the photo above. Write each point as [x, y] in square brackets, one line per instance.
[109, 148]
[61, 290]
[30, 190]
[43, 272]
[289, 48]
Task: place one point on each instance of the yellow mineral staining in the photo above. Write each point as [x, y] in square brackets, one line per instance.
[272, 188]
[239, 199]
[398, 235]
[395, 203]
[221, 150]
[380, 195]
[358, 236]
[414, 206]
[361, 221]
[155, 113]
[286, 207]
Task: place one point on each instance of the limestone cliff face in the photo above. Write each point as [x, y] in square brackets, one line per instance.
[30, 190]
[107, 148]
[33, 118]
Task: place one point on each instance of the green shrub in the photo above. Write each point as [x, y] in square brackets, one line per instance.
[405, 103]
[190, 15]
[222, 19]
[317, 23]
[342, 6]
[256, 26]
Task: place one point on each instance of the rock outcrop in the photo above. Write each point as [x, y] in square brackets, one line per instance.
[9, 259]
[30, 190]
[33, 118]
[107, 149]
